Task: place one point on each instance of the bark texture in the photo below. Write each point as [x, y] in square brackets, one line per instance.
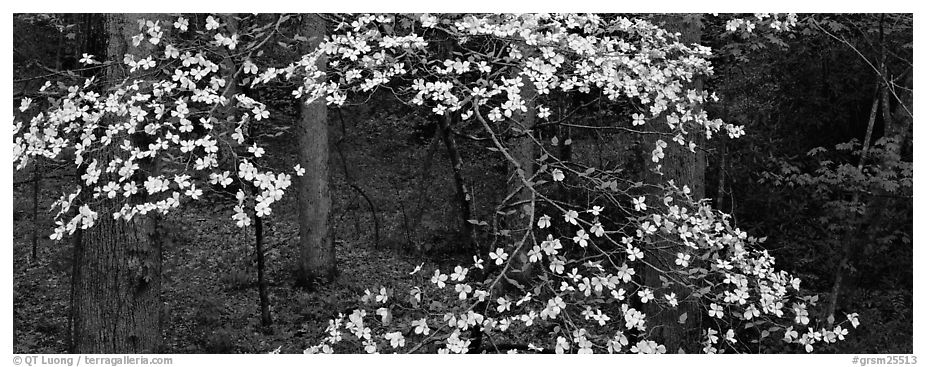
[462, 194]
[316, 260]
[521, 147]
[684, 168]
[116, 280]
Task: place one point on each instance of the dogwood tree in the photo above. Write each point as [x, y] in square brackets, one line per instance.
[587, 272]
[566, 275]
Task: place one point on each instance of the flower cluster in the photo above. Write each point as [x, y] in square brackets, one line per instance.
[595, 296]
[182, 116]
[626, 59]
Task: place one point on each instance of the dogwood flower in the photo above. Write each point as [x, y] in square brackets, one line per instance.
[396, 340]
[382, 297]
[571, 216]
[211, 23]
[87, 59]
[544, 221]
[182, 24]
[421, 326]
[581, 238]
[459, 273]
[499, 256]
[682, 259]
[715, 311]
[439, 279]
[853, 318]
[645, 295]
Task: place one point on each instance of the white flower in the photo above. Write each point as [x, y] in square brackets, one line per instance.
[853, 318]
[182, 24]
[383, 296]
[730, 336]
[478, 262]
[263, 208]
[421, 326]
[459, 273]
[581, 238]
[463, 289]
[211, 23]
[634, 253]
[439, 279]
[801, 315]
[24, 104]
[395, 339]
[645, 295]
[544, 221]
[503, 304]
[571, 216]
[558, 175]
[87, 60]
[256, 150]
[499, 256]
[562, 345]
[639, 203]
[715, 311]
[682, 259]
[299, 170]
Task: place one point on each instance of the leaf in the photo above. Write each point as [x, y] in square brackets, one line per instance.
[664, 280]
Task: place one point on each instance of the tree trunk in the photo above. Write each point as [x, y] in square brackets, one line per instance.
[684, 168]
[265, 319]
[36, 184]
[462, 194]
[521, 147]
[900, 124]
[424, 180]
[116, 281]
[316, 261]
[116, 303]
